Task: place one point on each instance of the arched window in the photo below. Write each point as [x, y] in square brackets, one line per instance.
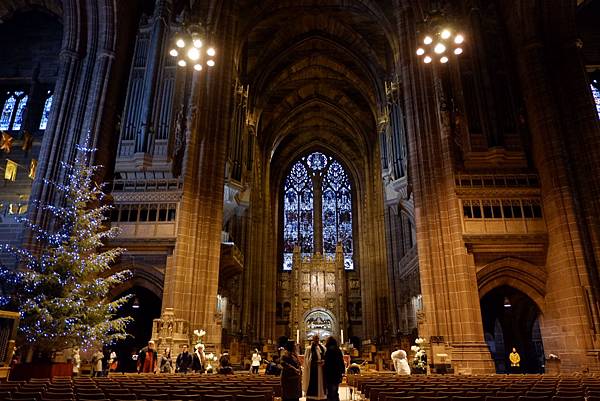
[46, 112]
[596, 94]
[7, 112]
[298, 214]
[317, 209]
[12, 112]
[19, 115]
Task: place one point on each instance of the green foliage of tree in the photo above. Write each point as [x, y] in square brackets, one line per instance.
[62, 281]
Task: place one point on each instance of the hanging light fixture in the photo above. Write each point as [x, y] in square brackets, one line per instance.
[189, 49]
[440, 40]
[507, 303]
[136, 303]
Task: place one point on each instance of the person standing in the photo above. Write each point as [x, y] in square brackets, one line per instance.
[334, 368]
[97, 363]
[256, 359]
[147, 359]
[400, 362]
[184, 360]
[166, 363]
[515, 361]
[291, 374]
[312, 376]
[76, 361]
[112, 361]
[199, 359]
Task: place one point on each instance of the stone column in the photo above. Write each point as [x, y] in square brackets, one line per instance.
[448, 280]
[161, 17]
[194, 276]
[567, 327]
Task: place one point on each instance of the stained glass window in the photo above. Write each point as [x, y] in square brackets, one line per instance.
[46, 112]
[19, 116]
[317, 175]
[298, 213]
[596, 94]
[12, 112]
[337, 212]
[7, 112]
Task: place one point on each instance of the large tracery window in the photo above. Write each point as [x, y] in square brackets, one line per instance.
[317, 209]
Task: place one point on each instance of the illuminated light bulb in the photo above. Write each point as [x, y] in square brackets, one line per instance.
[174, 53]
[197, 43]
[439, 48]
[420, 51]
[193, 54]
[458, 39]
[211, 51]
[180, 43]
[427, 40]
[427, 60]
[181, 63]
[198, 67]
[210, 63]
[458, 51]
[445, 34]
[444, 60]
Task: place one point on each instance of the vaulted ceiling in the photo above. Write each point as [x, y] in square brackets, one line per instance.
[316, 69]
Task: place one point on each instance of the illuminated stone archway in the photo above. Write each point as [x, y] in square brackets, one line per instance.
[318, 321]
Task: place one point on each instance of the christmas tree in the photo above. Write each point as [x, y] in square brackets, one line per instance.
[61, 283]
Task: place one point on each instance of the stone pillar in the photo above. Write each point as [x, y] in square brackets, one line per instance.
[162, 14]
[371, 251]
[80, 93]
[195, 272]
[567, 327]
[448, 278]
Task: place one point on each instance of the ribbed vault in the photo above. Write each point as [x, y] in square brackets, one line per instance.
[316, 71]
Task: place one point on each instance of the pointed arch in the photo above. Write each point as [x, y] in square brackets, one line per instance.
[317, 207]
[526, 277]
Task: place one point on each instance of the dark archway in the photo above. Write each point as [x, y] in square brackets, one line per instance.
[511, 319]
[144, 306]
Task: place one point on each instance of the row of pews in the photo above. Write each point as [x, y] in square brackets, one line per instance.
[377, 387]
[150, 387]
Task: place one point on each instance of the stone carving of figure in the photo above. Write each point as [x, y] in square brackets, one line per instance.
[179, 140]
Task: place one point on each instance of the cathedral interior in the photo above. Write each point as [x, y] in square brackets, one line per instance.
[299, 167]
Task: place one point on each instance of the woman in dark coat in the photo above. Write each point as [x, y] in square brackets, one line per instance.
[334, 368]
[291, 375]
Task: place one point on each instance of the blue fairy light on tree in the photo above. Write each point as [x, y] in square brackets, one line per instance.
[61, 284]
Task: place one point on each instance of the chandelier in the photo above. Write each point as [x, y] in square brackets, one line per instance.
[189, 48]
[440, 41]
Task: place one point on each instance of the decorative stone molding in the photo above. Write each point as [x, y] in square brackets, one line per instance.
[168, 331]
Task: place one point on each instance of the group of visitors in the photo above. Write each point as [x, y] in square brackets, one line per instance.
[148, 361]
[102, 362]
[186, 362]
[322, 373]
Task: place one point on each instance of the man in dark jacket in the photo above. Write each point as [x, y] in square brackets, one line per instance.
[334, 369]
[184, 361]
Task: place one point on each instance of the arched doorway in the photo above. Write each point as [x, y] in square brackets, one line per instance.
[320, 322]
[511, 319]
[144, 306]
